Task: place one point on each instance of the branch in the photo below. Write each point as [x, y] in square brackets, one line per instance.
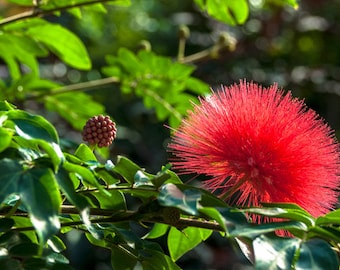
[108, 216]
[83, 86]
[38, 12]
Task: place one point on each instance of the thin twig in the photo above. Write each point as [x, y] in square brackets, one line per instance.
[83, 86]
[38, 12]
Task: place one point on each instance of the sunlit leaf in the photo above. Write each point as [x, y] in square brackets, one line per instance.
[6, 138]
[232, 12]
[157, 230]
[60, 41]
[332, 217]
[85, 153]
[180, 242]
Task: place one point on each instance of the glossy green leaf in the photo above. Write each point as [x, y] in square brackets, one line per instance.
[32, 126]
[39, 193]
[180, 242]
[233, 218]
[275, 252]
[9, 178]
[187, 200]
[62, 42]
[141, 179]
[56, 244]
[317, 254]
[253, 230]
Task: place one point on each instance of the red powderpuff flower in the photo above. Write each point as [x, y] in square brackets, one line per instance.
[260, 145]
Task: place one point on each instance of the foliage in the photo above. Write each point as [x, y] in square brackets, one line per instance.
[48, 191]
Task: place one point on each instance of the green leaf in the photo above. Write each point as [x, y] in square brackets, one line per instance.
[6, 138]
[231, 12]
[165, 176]
[40, 194]
[289, 213]
[9, 178]
[6, 224]
[120, 258]
[56, 244]
[158, 230]
[87, 176]
[155, 260]
[317, 254]
[161, 82]
[214, 214]
[126, 168]
[188, 200]
[253, 230]
[141, 179]
[85, 153]
[332, 217]
[116, 201]
[24, 250]
[19, 53]
[32, 126]
[180, 242]
[66, 185]
[82, 107]
[62, 42]
[275, 252]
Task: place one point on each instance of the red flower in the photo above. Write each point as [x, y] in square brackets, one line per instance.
[260, 145]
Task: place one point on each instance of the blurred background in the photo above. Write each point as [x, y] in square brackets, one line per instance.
[298, 49]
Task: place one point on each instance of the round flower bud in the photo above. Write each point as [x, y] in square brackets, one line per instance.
[99, 130]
